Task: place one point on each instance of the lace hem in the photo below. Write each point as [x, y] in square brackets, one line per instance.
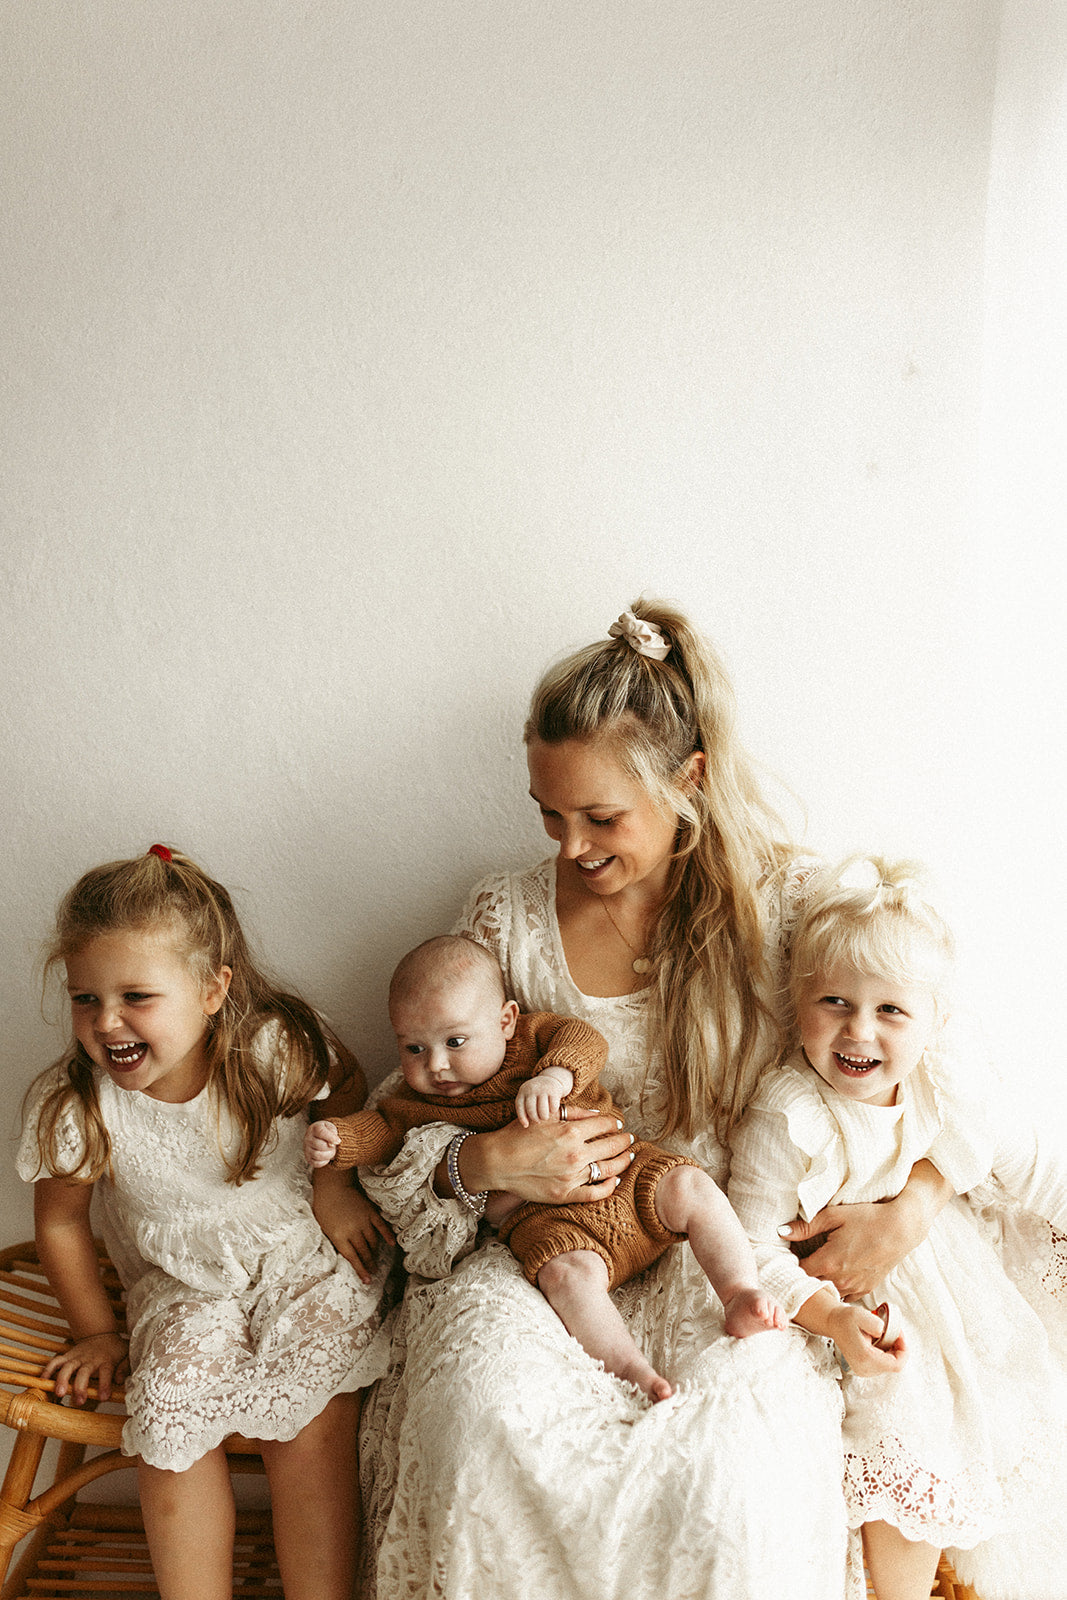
[433, 1233]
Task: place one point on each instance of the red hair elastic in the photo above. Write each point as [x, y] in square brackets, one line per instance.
[161, 851]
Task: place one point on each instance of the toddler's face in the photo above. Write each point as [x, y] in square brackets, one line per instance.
[452, 1036]
[139, 1012]
[863, 1035]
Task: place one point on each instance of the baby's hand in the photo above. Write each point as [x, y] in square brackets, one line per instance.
[538, 1099]
[320, 1144]
[856, 1332]
[105, 1356]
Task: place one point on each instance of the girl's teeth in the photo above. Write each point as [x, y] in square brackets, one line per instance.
[122, 1053]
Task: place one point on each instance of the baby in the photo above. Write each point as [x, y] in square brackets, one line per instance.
[470, 1057]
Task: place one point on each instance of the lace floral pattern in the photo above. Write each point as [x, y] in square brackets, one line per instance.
[243, 1318]
[499, 1458]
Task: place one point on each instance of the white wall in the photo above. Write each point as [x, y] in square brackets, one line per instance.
[364, 357]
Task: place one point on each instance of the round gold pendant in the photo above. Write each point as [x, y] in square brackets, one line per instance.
[641, 965]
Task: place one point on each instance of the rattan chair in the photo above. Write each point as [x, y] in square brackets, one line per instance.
[78, 1550]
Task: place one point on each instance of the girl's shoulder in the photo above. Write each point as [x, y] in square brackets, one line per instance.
[68, 1139]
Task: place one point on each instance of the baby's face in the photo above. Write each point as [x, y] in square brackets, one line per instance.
[863, 1034]
[452, 1036]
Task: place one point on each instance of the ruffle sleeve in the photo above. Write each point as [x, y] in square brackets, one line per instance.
[68, 1146]
[786, 1156]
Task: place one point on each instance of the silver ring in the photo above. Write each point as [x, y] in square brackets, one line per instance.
[595, 1174]
[563, 1113]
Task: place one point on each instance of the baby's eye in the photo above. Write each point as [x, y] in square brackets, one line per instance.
[414, 1049]
[891, 1010]
[456, 1042]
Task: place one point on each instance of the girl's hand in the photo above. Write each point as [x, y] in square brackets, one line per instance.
[549, 1161]
[854, 1330]
[320, 1144]
[353, 1226]
[867, 1240]
[103, 1356]
[538, 1099]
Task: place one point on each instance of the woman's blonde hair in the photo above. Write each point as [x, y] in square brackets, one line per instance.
[707, 947]
[165, 892]
[875, 916]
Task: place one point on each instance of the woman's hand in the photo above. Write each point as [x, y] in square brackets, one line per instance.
[353, 1226]
[866, 1241]
[103, 1356]
[548, 1161]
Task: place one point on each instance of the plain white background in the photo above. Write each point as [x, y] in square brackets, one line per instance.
[364, 357]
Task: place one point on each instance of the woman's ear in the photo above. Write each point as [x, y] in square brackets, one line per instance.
[216, 991]
[691, 771]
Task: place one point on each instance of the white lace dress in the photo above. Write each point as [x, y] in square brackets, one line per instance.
[966, 1447]
[243, 1317]
[500, 1462]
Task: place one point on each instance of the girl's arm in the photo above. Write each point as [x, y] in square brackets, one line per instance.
[867, 1240]
[68, 1255]
[853, 1329]
[348, 1219]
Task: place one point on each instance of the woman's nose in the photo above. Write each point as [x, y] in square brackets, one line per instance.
[571, 841]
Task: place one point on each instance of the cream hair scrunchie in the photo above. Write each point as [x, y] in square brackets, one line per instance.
[643, 637]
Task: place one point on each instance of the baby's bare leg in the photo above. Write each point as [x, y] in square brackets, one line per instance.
[575, 1285]
[689, 1202]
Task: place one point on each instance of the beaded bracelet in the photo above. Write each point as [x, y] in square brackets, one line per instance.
[473, 1202]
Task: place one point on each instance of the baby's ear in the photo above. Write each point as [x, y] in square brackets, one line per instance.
[509, 1017]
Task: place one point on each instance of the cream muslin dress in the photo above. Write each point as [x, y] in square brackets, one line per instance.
[501, 1462]
[965, 1447]
[243, 1318]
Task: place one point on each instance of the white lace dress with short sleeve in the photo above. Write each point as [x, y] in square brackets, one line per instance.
[243, 1317]
[500, 1461]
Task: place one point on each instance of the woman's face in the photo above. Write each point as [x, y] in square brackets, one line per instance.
[604, 821]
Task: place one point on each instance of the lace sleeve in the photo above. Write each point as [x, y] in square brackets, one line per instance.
[486, 916]
[433, 1233]
[68, 1143]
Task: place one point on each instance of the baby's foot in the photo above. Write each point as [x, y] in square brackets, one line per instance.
[647, 1379]
[751, 1311]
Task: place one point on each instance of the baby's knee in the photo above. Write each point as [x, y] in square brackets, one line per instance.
[681, 1192]
[571, 1273]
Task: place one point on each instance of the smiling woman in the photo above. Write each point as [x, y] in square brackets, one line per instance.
[662, 921]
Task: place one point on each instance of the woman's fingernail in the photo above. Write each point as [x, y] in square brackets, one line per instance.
[785, 1230]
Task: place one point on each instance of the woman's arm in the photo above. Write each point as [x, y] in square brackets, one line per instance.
[548, 1161]
[68, 1255]
[866, 1240]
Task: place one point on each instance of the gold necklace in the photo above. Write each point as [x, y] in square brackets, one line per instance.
[640, 963]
